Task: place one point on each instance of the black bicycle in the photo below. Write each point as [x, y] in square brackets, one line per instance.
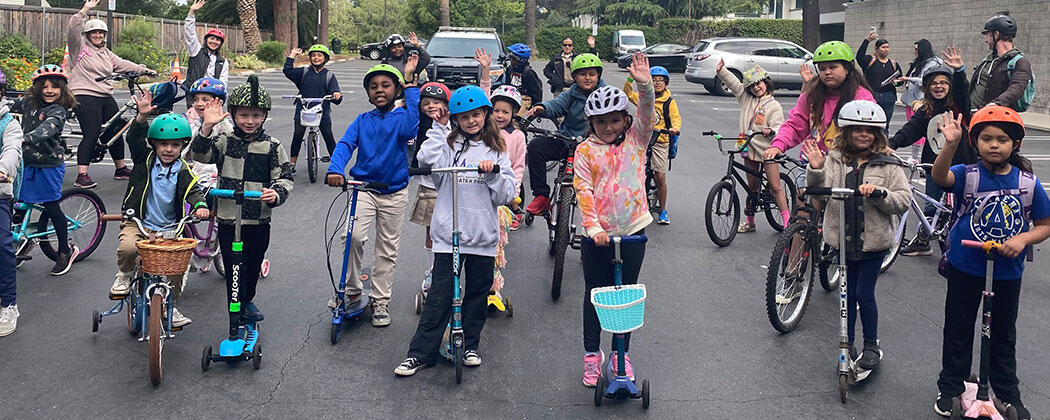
[722, 211]
[650, 174]
[114, 128]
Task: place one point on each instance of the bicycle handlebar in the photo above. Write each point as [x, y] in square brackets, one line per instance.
[375, 187]
[451, 169]
[233, 194]
[122, 76]
[527, 127]
[842, 192]
[170, 231]
[308, 100]
[633, 239]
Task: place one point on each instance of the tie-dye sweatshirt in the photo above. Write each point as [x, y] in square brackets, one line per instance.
[610, 179]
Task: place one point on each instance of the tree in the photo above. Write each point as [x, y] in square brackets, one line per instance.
[249, 24]
[811, 24]
[445, 10]
[283, 22]
[322, 27]
[530, 23]
[639, 12]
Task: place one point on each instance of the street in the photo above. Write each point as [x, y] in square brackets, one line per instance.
[706, 346]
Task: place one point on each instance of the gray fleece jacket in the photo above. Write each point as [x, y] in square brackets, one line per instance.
[11, 153]
[480, 195]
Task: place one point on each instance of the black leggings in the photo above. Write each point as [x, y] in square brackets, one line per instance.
[300, 131]
[53, 212]
[598, 272]
[256, 240]
[92, 112]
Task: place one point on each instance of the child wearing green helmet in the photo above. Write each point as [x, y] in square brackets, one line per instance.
[159, 189]
[313, 81]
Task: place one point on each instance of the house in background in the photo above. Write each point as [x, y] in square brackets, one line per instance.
[43, 3]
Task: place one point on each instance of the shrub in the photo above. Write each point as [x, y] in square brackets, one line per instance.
[17, 46]
[54, 56]
[248, 61]
[136, 45]
[19, 72]
[271, 52]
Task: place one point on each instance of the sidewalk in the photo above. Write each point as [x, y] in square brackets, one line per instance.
[1036, 120]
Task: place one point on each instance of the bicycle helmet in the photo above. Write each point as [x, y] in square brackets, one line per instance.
[1003, 117]
[604, 100]
[3, 80]
[50, 70]
[522, 51]
[467, 98]
[1004, 24]
[586, 61]
[218, 33]
[941, 69]
[754, 75]
[508, 93]
[209, 85]
[250, 95]
[832, 51]
[386, 69]
[94, 25]
[660, 71]
[435, 90]
[321, 49]
[394, 39]
[861, 113]
[170, 126]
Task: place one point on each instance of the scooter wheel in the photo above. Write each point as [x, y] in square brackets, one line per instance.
[459, 364]
[957, 410]
[95, 319]
[510, 307]
[206, 359]
[599, 390]
[1011, 413]
[528, 219]
[257, 356]
[843, 387]
[419, 302]
[333, 334]
[645, 393]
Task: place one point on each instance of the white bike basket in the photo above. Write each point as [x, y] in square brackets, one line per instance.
[620, 309]
[310, 117]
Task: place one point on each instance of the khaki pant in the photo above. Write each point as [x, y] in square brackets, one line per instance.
[127, 252]
[387, 213]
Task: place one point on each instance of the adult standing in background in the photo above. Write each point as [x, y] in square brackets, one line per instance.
[205, 60]
[878, 68]
[557, 72]
[994, 81]
[925, 61]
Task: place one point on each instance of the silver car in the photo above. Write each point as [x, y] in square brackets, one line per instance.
[781, 59]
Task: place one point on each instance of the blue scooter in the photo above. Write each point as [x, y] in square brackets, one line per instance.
[243, 343]
[340, 312]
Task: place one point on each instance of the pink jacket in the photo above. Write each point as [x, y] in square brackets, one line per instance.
[88, 62]
[797, 127]
[609, 179]
[516, 151]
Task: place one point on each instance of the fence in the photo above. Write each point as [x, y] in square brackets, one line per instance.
[46, 28]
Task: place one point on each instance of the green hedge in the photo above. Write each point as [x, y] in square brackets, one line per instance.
[136, 44]
[271, 52]
[17, 46]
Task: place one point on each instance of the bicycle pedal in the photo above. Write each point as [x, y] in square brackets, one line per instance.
[173, 329]
[117, 297]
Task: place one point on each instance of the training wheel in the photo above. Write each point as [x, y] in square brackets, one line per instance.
[843, 387]
[95, 319]
[599, 390]
[206, 359]
[528, 219]
[645, 393]
[419, 302]
[256, 356]
[333, 334]
[264, 271]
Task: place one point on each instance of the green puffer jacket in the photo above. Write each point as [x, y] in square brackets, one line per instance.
[186, 189]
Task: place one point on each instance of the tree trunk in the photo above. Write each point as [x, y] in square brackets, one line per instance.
[293, 25]
[811, 24]
[249, 24]
[281, 30]
[530, 23]
[443, 6]
[322, 32]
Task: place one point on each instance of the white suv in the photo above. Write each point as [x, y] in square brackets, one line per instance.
[781, 59]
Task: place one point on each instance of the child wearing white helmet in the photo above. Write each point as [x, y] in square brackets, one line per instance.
[507, 102]
[609, 171]
[860, 159]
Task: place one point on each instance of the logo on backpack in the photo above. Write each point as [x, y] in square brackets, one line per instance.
[1029, 91]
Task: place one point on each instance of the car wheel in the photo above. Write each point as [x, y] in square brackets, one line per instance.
[719, 88]
[374, 54]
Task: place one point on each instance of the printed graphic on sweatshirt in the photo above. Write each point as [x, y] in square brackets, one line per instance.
[996, 218]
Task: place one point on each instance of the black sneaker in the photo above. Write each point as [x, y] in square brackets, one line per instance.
[64, 261]
[326, 159]
[122, 173]
[871, 356]
[917, 248]
[251, 313]
[85, 181]
[943, 405]
[409, 367]
[1022, 412]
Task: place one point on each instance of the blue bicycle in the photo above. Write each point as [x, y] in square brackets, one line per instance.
[84, 212]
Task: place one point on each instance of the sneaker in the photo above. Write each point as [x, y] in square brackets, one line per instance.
[943, 405]
[326, 159]
[592, 368]
[64, 261]
[9, 320]
[516, 221]
[745, 227]
[1022, 412]
[664, 219]
[380, 316]
[251, 313]
[539, 204]
[871, 356]
[471, 358]
[626, 365]
[121, 284]
[409, 367]
[178, 319]
[427, 279]
[85, 181]
[917, 248]
[122, 173]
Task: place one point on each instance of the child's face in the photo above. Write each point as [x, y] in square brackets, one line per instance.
[397, 50]
[471, 121]
[168, 151]
[994, 145]
[213, 43]
[608, 127]
[939, 86]
[586, 79]
[317, 58]
[434, 108]
[249, 119]
[659, 84]
[832, 73]
[502, 113]
[50, 93]
[861, 138]
[758, 89]
[201, 100]
[381, 90]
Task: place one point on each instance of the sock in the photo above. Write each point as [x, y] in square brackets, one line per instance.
[786, 216]
[751, 218]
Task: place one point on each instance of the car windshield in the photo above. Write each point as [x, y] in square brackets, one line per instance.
[461, 47]
[632, 40]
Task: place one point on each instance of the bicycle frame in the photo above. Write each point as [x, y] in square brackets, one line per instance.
[22, 233]
[563, 181]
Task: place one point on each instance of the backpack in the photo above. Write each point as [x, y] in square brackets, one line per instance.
[672, 146]
[166, 94]
[1029, 91]
[16, 178]
[327, 76]
[892, 61]
[1026, 188]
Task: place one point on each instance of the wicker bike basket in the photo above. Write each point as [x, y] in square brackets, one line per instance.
[166, 257]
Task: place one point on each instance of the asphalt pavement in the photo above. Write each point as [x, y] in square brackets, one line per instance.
[706, 346]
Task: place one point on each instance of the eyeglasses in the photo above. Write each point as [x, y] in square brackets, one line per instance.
[566, 45]
[941, 83]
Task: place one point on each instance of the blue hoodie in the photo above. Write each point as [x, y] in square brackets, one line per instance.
[381, 140]
[570, 105]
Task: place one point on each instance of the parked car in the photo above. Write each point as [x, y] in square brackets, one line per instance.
[671, 56]
[374, 50]
[780, 58]
[452, 60]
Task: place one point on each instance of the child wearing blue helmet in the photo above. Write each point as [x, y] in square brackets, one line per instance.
[520, 75]
[475, 141]
[669, 119]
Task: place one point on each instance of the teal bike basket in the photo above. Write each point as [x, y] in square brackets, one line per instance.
[620, 309]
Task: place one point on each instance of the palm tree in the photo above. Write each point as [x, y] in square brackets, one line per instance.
[530, 23]
[249, 24]
[322, 32]
[445, 10]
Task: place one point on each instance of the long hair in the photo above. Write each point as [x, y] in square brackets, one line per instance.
[489, 134]
[819, 93]
[928, 103]
[1016, 158]
[35, 94]
[925, 54]
[849, 155]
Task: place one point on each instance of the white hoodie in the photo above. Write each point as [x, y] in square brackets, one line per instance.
[11, 154]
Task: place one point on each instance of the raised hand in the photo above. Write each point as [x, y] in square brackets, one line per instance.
[814, 155]
[410, 67]
[213, 113]
[89, 4]
[483, 57]
[295, 53]
[721, 65]
[590, 41]
[197, 5]
[953, 58]
[413, 39]
[807, 73]
[145, 103]
[951, 128]
[639, 68]
[872, 36]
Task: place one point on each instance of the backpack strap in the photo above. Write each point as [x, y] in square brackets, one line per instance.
[667, 113]
[1013, 63]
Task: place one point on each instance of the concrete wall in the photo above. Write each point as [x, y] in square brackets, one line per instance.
[956, 23]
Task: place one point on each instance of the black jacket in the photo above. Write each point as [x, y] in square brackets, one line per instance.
[526, 80]
[42, 145]
[399, 62]
[915, 128]
[554, 71]
[186, 189]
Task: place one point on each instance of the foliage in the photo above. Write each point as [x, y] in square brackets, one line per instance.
[271, 52]
[634, 12]
[54, 56]
[690, 31]
[136, 45]
[156, 8]
[19, 72]
[17, 46]
[614, 11]
[248, 61]
[422, 15]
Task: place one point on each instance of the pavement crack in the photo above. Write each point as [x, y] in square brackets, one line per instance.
[280, 378]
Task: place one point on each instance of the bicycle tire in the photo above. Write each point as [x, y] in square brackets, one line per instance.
[776, 287]
[311, 156]
[772, 212]
[650, 188]
[131, 309]
[156, 338]
[895, 248]
[561, 240]
[86, 207]
[829, 282]
[220, 269]
[730, 214]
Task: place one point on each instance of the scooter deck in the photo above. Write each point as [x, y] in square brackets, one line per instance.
[241, 348]
[349, 314]
[622, 387]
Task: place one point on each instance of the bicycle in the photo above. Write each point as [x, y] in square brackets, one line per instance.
[84, 212]
[149, 304]
[650, 174]
[310, 117]
[112, 129]
[561, 229]
[933, 227]
[723, 202]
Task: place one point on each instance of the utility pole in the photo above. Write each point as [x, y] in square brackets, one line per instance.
[109, 23]
[384, 15]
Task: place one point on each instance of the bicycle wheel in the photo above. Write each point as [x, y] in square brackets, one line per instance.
[561, 240]
[157, 315]
[789, 279]
[650, 189]
[776, 221]
[83, 210]
[220, 269]
[722, 213]
[828, 258]
[898, 242]
[311, 156]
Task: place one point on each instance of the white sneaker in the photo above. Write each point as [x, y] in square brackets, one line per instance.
[178, 319]
[121, 284]
[8, 320]
[471, 358]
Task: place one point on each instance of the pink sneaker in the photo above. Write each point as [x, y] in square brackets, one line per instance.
[592, 367]
[626, 365]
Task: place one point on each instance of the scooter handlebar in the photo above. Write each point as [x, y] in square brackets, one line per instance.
[428, 171]
[836, 191]
[220, 193]
[969, 243]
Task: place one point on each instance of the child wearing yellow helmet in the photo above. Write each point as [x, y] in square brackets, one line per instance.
[313, 81]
